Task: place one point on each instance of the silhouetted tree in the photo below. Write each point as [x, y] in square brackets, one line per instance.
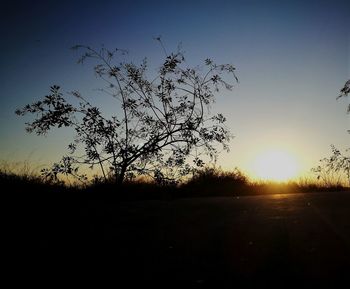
[163, 127]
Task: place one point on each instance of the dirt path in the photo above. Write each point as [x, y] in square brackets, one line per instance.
[274, 241]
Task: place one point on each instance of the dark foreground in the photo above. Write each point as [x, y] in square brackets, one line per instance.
[274, 241]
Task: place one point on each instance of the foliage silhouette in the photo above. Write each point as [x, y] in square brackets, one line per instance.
[332, 170]
[211, 181]
[163, 129]
[345, 92]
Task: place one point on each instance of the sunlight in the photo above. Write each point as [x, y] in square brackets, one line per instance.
[275, 165]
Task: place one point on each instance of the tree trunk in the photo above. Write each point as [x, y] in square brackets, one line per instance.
[120, 177]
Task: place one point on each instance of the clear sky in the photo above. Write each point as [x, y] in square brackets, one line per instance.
[292, 58]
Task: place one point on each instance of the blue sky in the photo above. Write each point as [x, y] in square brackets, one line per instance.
[292, 57]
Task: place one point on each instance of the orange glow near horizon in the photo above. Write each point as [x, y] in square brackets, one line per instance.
[275, 165]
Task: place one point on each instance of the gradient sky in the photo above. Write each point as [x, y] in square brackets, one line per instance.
[292, 58]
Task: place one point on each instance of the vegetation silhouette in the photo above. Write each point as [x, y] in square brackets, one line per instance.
[163, 128]
[345, 92]
[334, 169]
[337, 167]
[205, 182]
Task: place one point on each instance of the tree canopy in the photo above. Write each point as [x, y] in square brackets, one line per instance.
[162, 127]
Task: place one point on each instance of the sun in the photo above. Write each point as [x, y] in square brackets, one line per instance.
[275, 165]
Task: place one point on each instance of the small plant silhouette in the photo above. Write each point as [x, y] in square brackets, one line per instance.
[163, 127]
[334, 169]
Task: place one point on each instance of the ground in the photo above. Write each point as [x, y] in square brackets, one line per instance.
[271, 241]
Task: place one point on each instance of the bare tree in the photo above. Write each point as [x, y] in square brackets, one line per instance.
[163, 127]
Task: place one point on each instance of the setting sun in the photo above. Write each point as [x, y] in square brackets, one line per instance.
[275, 165]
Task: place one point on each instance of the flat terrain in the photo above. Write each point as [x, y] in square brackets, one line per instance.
[272, 241]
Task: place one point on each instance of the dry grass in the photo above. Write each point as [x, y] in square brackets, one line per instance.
[209, 182]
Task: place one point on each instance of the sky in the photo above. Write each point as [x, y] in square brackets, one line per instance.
[291, 58]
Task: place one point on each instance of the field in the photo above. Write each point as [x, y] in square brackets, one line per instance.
[265, 241]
